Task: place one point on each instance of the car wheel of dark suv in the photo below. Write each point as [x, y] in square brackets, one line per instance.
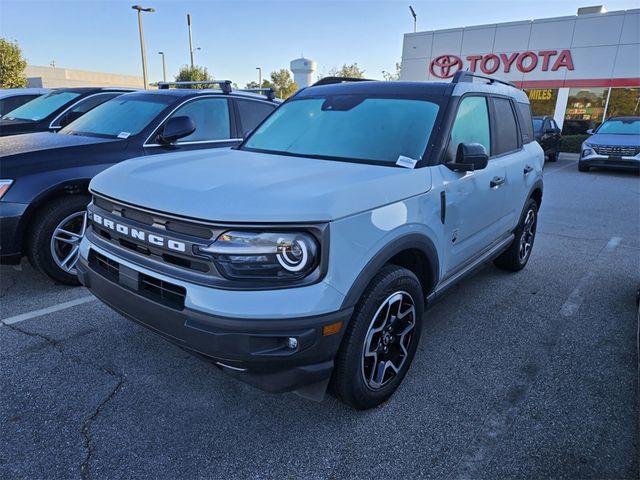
[53, 240]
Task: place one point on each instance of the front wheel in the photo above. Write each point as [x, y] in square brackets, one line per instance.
[517, 255]
[582, 167]
[53, 242]
[381, 339]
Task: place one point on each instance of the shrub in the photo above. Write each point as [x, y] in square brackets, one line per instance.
[572, 143]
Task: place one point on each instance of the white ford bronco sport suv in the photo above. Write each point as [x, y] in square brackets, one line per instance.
[304, 258]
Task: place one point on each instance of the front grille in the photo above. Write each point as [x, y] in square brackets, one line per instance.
[616, 150]
[155, 289]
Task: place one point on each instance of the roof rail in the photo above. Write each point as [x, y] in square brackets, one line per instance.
[333, 80]
[468, 77]
[225, 85]
[267, 92]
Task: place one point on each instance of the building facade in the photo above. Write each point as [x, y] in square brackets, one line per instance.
[579, 69]
[56, 77]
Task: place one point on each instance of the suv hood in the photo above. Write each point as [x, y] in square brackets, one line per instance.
[612, 139]
[239, 186]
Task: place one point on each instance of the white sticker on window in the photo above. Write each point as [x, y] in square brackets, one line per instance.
[123, 135]
[406, 162]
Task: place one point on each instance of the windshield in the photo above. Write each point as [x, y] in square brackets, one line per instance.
[120, 117]
[41, 107]
[621, 127]
[537, 124]
[348, 127]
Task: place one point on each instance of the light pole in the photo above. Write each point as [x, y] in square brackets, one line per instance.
[164, 69]
[259, 76]
[190, 40]
[142, 50]
[415, 19]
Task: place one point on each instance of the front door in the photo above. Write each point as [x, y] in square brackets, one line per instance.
[474, 200]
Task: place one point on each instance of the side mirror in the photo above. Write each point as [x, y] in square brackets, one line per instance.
[590, 131]
[176, 128]
[469, 157]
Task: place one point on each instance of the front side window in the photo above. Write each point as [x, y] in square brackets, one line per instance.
[211, 116]
[119, 117]
[252, 113]
[348, 127]
[471, 125]
[620, 127]
[41, 107]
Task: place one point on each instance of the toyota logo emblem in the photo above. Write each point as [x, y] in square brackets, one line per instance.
[445, 66]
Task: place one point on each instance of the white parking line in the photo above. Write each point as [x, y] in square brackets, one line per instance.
[44, 311]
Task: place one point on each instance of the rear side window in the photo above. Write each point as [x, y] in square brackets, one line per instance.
[526, 126]
[252, 113]
[471, 125]
[506, 128]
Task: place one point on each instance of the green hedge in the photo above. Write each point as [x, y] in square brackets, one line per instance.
[572, 143]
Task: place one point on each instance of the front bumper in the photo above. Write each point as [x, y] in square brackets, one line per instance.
[10, 232]
[604, 161]
[256, 350]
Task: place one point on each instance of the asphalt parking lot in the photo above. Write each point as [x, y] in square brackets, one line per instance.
[524, 375]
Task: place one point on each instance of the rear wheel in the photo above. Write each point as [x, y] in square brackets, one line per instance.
[381, 339]
[53, 241]
[517, 255]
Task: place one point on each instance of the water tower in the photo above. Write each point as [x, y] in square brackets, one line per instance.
[303, 69]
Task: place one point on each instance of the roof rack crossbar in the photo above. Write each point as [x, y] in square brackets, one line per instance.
[267, 91]
[333, 80]
[225, 85]
[469, 76]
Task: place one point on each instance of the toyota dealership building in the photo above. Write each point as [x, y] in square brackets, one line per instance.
[578, 69]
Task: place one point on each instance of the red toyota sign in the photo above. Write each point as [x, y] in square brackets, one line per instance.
[446, 66]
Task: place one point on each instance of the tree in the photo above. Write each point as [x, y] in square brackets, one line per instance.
[265, 84]
[392, 76]
[12, 65]
[350, 71]
[195, 74]
[282, 83]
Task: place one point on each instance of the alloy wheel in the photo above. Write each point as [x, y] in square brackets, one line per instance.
[386, 346]
[65, 242]
[528, 234]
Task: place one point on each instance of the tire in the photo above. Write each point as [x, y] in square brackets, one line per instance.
[553, 157]
[355, 381]
[582, 167]
[45, 253]
[515, 258]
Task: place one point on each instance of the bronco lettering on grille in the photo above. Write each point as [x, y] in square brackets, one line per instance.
[141, 235]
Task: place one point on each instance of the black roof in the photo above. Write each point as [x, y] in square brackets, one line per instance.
[82, 90]
[629, 118]
[192, 92]
[378, 87]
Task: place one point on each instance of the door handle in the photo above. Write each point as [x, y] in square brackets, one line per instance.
[496, 182]
[528, 169]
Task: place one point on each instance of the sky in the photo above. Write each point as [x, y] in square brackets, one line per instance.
[238, 36]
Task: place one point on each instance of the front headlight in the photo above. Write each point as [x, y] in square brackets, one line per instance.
[587, 149]
[264, 255]
[4, 187]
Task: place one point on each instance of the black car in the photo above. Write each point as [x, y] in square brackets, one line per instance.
[44, 176]
[548, 135]
[56, 109]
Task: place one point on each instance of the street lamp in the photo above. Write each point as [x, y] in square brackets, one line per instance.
[259, 76]
[142, 50]
[164, 69]
[415, 18]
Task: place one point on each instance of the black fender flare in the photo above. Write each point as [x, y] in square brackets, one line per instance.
[410, 241]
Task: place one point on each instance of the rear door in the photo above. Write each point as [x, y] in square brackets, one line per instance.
[509, 153]
[474, 200]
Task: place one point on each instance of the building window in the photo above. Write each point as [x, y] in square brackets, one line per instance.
[585, 110]
[624, 102]
[542, 100]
